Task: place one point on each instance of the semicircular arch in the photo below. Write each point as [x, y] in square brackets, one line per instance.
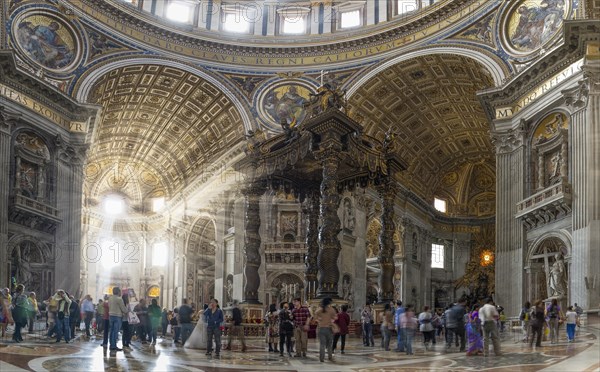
[491, 62]
[562, 235]
[83, 87]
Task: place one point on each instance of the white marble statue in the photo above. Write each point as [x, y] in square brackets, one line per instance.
[557, 287]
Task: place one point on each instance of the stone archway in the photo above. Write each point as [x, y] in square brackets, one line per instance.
[31, 265]
[200, 254]
[286, 287]
[546, 265]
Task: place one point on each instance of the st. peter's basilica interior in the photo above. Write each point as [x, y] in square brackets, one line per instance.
[372, 151]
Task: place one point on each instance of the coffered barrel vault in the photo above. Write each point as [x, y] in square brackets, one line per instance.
[430, 103]
[170, 121]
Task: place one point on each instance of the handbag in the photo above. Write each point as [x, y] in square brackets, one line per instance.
[335, 328]
[132, 318]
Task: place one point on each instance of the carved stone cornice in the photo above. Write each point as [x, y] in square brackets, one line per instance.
[576, 34]
[207, 42]
[41, 91]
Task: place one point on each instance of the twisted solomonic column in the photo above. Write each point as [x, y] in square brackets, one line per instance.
[329, 245]
[252, 241]
[312, 244]
[386, 243]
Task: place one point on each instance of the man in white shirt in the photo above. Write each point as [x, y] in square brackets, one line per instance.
[489, 315]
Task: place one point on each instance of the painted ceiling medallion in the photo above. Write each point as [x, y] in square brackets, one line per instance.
[285, 101]
[531, 24]
[47, 40]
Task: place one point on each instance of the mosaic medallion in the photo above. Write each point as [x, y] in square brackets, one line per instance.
[285, 101]
[531, 24]
[46, 40]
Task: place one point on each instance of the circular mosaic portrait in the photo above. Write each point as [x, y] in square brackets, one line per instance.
[286, 101]
[531, 24]
[46, 40]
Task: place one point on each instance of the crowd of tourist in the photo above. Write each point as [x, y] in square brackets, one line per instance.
[472, 327]
[62, 316]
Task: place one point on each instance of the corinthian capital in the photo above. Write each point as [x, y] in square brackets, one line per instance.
[508, 141]
[7, 118]
[576, 98]
[591, 75]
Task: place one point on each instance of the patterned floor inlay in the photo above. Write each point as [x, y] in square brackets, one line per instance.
[41, 354]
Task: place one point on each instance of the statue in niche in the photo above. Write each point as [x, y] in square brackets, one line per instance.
[346, 287]
[415, 248]
[555, 162]
[21, 256]
[229, 291]
[27, 175]
[348, 216]
[557, 283]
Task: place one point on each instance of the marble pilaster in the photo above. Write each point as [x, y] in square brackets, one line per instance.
[69, 190]
[584, 101]
[510, 235]
[5, 130]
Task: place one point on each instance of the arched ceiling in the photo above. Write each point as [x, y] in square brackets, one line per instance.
[164, 120]
[429, 102]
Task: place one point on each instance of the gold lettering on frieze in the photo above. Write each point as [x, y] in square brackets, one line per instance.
[539, 91]
[229, 58]
[42, 110]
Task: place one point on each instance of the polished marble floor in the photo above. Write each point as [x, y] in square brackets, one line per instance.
[40, 354]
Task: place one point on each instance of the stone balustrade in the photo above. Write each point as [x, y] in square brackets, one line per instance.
[285, 252]
[36, 206]
[545, 206]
